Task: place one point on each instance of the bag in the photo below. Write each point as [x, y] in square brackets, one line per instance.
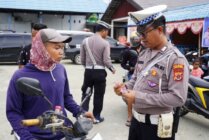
[165, 125]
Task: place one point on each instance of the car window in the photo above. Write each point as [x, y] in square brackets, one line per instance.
[77, 39]
[113, 42]
[13, 41]
[1, 40]
[27, 39]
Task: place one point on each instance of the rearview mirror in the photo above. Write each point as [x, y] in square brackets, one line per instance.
[29, 86]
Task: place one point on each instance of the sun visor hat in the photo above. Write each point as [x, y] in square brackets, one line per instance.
[147, 16]
[51, 35]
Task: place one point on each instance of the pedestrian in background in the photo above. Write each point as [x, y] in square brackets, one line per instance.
[160, 80]
[95, 56]
[24, 56]
[196, 70]
[129, 60]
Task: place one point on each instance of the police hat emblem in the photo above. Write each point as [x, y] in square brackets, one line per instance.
[147, 15]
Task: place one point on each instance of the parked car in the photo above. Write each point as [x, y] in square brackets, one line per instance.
[72, 49]
[11, 44]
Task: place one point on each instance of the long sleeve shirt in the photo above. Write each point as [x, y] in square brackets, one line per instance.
[54, 85]
[100, 49]
[164, 86]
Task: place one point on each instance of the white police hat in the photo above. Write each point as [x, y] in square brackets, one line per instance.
[147, 15]
[104, 24]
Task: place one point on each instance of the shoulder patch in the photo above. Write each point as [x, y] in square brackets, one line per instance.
[178, 72]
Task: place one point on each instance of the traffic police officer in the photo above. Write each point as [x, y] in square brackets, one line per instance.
[95, 56]
[160, 79]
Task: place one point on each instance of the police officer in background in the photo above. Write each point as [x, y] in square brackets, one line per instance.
[160, 79]
[95, 56]
[24, 57]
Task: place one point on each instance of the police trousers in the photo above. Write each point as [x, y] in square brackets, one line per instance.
[144, 131]
[96, 80]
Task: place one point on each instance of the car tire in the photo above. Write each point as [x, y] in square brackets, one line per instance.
[77, 59]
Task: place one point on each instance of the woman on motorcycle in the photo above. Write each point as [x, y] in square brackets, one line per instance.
[46, 53]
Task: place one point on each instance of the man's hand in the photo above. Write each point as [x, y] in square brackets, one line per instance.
[130, 96]
[118, 88]
[89, 115]
[113, 71]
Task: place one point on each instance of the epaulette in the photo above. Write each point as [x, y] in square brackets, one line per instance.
[142, 51]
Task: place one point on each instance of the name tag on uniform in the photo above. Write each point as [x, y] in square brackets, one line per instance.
[159, 67]
[140, 62]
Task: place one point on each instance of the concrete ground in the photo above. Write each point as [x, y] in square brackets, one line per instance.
[192, 126]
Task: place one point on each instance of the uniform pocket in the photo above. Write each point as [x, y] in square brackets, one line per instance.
[151, 81]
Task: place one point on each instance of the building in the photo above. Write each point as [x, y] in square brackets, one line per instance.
[184, 25]
[20, 15]
[117, 12]
[117, 15]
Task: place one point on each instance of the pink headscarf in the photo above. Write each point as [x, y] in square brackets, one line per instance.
[39, 55]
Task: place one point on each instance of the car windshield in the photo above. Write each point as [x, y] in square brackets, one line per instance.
[77, 39]
[13, 41]
[113, 42]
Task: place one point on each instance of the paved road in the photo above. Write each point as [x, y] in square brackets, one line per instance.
[192, 126]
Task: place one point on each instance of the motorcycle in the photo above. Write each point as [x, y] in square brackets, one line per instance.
[197, 98]
[54, 120]
[191, 56]
[205, 64]
[206, 78]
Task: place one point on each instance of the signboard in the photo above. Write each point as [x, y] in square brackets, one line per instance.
[205, 33]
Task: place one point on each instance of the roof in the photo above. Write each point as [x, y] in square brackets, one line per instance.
[171, 3]
[188, 13]
[81, 6]
[113, 6]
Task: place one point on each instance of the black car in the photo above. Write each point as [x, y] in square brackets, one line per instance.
[72, 49]
[11, 44]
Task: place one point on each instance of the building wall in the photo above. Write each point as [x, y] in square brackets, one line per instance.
[123, 10]
[172, 4]
[22, 22]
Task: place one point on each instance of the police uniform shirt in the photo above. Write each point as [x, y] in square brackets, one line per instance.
[100, 49]
[164, 86]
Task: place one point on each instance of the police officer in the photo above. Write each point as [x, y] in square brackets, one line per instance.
[95, 56]
[160, 79]
[24, 57]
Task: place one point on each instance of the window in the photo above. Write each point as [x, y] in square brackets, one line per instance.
[27, 39]
[77, 39]
[14, 41]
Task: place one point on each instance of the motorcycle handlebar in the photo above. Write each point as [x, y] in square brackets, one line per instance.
[30, 122]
